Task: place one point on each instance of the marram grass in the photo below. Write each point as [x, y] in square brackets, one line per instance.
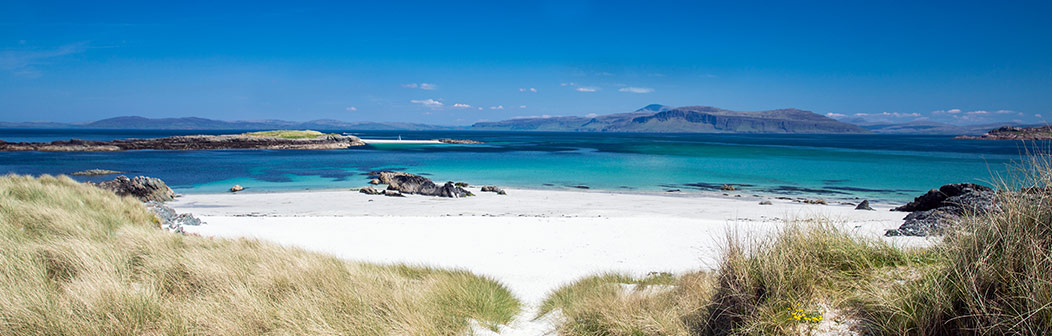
[77, 260]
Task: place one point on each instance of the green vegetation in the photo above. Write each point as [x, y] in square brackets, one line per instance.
[992, 276]
[289, 134]
[77, 260]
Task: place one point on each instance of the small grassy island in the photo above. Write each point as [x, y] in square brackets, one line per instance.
[278, 139]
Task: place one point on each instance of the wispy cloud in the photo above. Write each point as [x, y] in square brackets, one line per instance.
[522, 106]
[23, 62]
[632, 89]
[459, 105]
[587, 89]
[591, 115]
[835, 115]
[428, 103]
[422, 86]
[351, 108]
[498, 107]
[545, 116]
[568, 84]
[1037, 115]
[534, 90]
[1004, 112]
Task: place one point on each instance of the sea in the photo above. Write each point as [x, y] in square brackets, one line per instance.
[890, 168]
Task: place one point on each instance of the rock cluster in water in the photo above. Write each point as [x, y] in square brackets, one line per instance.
[96, 172]
[939, 209]
[406, 183]
[187, 142]
[169, 219]
[141, 187]
[1015, 133]
[461, 141]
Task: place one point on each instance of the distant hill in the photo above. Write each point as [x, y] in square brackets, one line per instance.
[691, 119]
[193, 123]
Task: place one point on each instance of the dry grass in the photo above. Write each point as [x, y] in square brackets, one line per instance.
[288, 134]
[77, 260]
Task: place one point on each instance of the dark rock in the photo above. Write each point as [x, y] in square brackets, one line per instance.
[864, 205]
[461, 141]
[672, 190]
[369, 191]
[765, 203]
[96, 172]
[495, 189]
[727, 187]
[582, 187]
[415, 184]
[935, 197]
[815, 201]
[141, 187]
[461, 184]
[940, 209]
[236, 188]
[393, 193]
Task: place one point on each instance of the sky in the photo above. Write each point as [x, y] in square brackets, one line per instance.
[460, 62]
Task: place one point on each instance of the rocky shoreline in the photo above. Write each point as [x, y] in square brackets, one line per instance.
[187, 142]
[1014, 133]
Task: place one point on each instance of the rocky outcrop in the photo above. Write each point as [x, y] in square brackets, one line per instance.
[96, 172]
[169, 219]
[939, 209]
[141, 187]
[369, 191]
[461, 141]
[408, 183]
[1015, 133]
[188, 142]
[864, 205]
[495, 189]
[236, 188]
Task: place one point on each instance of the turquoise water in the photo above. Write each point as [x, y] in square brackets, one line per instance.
[883, 167]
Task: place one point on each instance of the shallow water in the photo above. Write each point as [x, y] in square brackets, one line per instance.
[880, 167]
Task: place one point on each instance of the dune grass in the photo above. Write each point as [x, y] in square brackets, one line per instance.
[289, 134]
[991, 275]
[77, 260]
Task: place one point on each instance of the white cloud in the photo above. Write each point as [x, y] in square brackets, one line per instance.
[1004, 112]
[899, 115]
[459, 105]
[498, 107]
[568, 84]
[480, 108]
[591, 115]
[631, 89]
[428, 102]
[834, 115]
[534, 90]
[587, 89]
[1037, 115]
[977, 112]
[422, 86]
[351, 108]
[861, 114]
[522, 106]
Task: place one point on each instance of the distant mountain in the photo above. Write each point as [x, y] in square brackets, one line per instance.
[931, 127]
[193, 123]
[691, 119]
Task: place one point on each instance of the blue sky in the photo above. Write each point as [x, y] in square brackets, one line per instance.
[962, 62]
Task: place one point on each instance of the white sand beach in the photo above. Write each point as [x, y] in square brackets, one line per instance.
[531, 240]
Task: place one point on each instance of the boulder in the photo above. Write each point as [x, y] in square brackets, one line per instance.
[728, 187]
[495, 189]
[461, 184]
[816, 201]
[236, 188]
[393, 193]
[765, 203]
[171, 220]
[864, 205]
[141, 187]
[369, 191]
[374, 181]
[407, 183]
[940, 209]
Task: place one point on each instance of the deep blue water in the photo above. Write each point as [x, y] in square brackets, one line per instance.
[883, 167]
